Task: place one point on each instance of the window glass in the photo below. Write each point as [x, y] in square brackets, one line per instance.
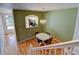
[9, 22]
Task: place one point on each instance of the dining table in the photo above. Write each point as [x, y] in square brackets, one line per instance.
[43, 37]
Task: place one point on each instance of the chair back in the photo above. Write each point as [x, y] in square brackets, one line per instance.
[38, 40]
[47, 33]
[36, 33]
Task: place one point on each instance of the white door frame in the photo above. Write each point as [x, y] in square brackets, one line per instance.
[3, 19]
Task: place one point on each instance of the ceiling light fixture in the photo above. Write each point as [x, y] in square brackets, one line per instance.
[43, 20]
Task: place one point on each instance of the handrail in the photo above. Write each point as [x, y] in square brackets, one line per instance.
[59, 45]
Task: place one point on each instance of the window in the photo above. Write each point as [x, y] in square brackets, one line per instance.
[31, 21]
[9, 22]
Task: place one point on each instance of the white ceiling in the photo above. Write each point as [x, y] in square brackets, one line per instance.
[38, 6]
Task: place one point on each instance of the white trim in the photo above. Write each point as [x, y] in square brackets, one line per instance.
[59, 45]
[63, 45]
[2, 48]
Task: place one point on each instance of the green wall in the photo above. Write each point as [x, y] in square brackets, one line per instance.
[60, 23]
[19, 18]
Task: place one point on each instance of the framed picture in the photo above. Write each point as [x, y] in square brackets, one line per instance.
[31, 21]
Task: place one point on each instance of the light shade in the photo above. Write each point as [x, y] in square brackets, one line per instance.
[43, 21]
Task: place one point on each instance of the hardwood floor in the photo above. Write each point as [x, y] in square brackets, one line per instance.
[23, 46]
[10, 45]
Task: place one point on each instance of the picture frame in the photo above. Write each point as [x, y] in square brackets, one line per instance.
[31, 21]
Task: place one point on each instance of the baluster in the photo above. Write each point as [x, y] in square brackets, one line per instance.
[49, 51]
[70, 50]
[42, 52]
[62, 51]
[33, 52]
[38, 52]
[52, 51]
[66, 51]
[55, 51]
[45, 51]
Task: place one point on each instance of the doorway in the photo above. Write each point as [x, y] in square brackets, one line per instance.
[9, 33]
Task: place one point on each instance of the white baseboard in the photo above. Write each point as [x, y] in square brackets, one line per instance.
[26, 39]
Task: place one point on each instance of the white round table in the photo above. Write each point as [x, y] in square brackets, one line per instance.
[43, 36]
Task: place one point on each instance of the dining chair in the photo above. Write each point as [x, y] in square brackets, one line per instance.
[47, 33]
[49, 41]
[36, 33]
[38, 40]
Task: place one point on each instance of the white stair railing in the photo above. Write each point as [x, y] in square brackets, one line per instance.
[64, 48]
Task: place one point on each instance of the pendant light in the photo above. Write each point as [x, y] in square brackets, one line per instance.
[43, 21]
